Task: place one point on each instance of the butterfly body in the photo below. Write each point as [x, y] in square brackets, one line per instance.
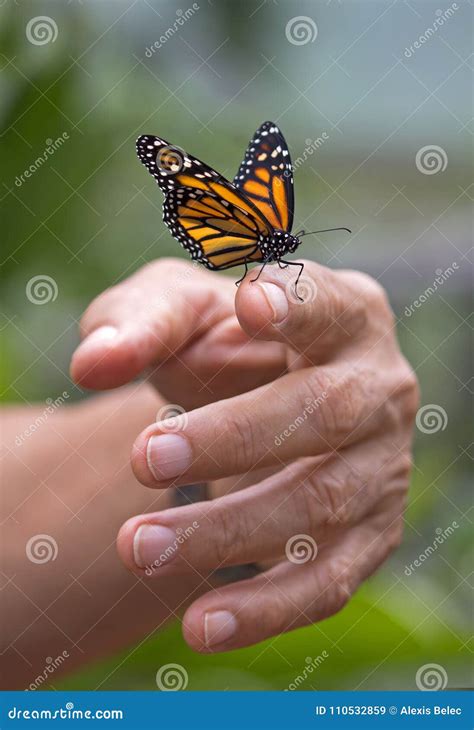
[221, 223]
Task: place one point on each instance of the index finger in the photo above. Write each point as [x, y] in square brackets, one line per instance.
[145, 319]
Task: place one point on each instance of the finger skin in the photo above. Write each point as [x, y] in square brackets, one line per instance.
[319, 497]
[305, 413]
[289, 595]
[155, 312]
[337, 308]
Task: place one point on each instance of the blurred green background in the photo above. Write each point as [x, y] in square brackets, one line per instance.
[90, 215]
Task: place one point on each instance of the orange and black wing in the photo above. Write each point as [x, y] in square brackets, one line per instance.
[211, 218]
[215, 231]
[266, 176]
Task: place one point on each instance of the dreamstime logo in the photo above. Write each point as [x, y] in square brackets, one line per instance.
[171, 678]
[305, 294]
[170, 159]
[50, 668]
[301, 30]
[441, 17]
[169, 552]
[312, 404]
[441, 277]
[312, 146]
[431, 678]
[431, 159]
[182, 17]
[41, 549]
[301, 549]
[41, 289]
[41, 30]
[312, 663]
[52, 145]
[441, 536]
[173, 417]
[51, 407]
[431, 418]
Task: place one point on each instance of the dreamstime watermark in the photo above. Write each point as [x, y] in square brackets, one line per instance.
[431, 678]
[50, 667]
[431, 159]
[51, 407]
[41, 30]
[441, 17]
[41, 549]
[441, 537]
[172, 678]
[441, 277]
[301, 549]
[52, 145]
[184, 275]
[312, 404]
[171, 158]
[183, 17]
[166, 555]
[41, 289]
[304, 293]
[431, 418]
[312, 146]
[311, 665]
[301, 30]
[172, 418]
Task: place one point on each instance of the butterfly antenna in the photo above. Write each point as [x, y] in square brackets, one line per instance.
[324, 230]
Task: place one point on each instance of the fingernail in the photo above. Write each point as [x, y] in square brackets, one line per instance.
[154, 545]
[218, 627]
[98, 337]
[276, 299]
[168, 455]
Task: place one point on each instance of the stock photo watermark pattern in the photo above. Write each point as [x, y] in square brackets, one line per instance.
[301, 30]
[42, 289]
[41, 30]
[172, 678]
[52, 145]
[431, 418]
[372, 100]
[431, 159]
[431, 678]
[441, 536]
[41, 549]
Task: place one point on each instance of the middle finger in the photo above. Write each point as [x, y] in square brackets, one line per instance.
[305, 413]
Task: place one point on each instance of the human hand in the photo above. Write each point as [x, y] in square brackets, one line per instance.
[336, 428]
[176, 322]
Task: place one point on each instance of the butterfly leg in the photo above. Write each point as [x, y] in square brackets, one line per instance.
[285, 266]
[301, 266]
[244, 274]
[265, 262]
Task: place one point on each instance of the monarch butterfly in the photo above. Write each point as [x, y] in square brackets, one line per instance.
[224, 224]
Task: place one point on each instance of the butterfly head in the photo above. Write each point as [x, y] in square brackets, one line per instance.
[283, 243]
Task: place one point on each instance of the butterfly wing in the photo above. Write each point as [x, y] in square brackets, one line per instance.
[211, 218]
[266, 176]
[215, 231]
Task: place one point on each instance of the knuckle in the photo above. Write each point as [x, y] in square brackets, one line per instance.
[340, 586]
[230, 534]
[91, 317]
[373, 297]
[340, 406]
[239, 446]
[334, 488]
[278, 616]
[395, 536]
